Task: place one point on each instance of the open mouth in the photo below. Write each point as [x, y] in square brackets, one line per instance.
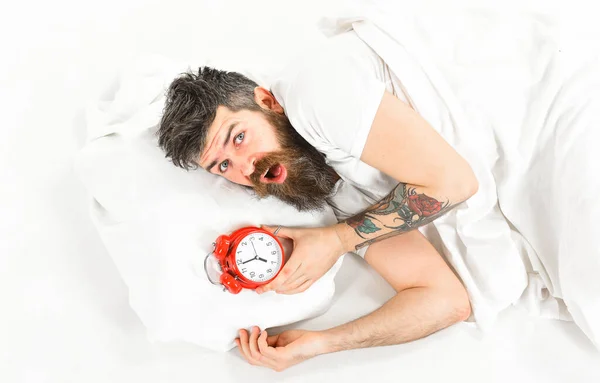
[275, 174]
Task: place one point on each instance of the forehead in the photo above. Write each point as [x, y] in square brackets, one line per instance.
[215, 134]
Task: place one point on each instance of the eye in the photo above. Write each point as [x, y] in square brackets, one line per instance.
[239, 138]
[223, 166]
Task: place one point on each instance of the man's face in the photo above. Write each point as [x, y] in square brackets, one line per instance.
[235, 142]
[260, 149]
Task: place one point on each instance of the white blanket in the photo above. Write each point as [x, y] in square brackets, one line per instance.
[521, 104]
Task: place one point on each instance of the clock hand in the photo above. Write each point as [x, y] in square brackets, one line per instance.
[251, 259]
[255, 253]
[262, 259]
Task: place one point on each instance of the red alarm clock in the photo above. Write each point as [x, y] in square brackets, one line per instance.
[247, 258]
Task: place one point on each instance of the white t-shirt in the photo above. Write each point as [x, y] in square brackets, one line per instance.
[331, 99]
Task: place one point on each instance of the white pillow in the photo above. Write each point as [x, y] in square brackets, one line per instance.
[158, 222]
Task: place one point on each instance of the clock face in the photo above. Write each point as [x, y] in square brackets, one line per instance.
[258, 257]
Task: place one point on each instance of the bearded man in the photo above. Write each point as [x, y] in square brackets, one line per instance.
[334, 129]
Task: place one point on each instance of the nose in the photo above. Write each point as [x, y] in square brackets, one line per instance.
[248, 167]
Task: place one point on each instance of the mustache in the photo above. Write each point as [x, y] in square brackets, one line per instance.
[289, 157]
[268, 161]
[308, 182]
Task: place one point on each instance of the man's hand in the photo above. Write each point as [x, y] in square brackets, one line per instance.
[281, 351]
[315, 251]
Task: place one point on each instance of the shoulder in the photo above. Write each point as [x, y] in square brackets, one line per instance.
[331, 88]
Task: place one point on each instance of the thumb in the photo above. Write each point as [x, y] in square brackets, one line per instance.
[284, 232]
[272, 340]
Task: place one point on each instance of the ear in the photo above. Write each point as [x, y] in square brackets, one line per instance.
[265, 99]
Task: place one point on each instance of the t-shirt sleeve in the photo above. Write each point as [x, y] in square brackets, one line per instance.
[335, 99]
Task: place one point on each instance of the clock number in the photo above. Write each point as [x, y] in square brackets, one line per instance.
[269, 270]
[239, 261]
[244, 243]
[252, 273]
[269, 243]
[244, 270]
[252, 238]
[273, 252]
[261, 238]
[261, 276]
[273, 261]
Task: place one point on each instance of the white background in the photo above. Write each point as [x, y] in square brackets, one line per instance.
[64, 314]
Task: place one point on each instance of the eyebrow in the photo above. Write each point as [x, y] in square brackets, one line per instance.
[212, 164]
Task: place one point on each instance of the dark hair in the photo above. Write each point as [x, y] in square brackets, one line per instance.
[191, 107]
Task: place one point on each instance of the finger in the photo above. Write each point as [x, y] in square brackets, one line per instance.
[272, 340]
[253, 362]
[264, 348]
[288, 270]
[292, 284]
[263, 358]
[292, 278]
[284, 232]
[300, 272]
[253, 342]
[245, 347]
[240, 349]
[303, 287]
[274, 356]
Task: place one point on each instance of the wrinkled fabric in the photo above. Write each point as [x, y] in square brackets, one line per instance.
[522, 106]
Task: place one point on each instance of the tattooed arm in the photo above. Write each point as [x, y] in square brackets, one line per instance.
[405, 208]
[436, 178]
[433, 176]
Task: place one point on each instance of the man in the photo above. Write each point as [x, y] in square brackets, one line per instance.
[334, 129]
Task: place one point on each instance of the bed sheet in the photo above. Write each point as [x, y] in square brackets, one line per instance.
[521, 348]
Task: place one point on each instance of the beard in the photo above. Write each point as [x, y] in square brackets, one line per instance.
[310, 180]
